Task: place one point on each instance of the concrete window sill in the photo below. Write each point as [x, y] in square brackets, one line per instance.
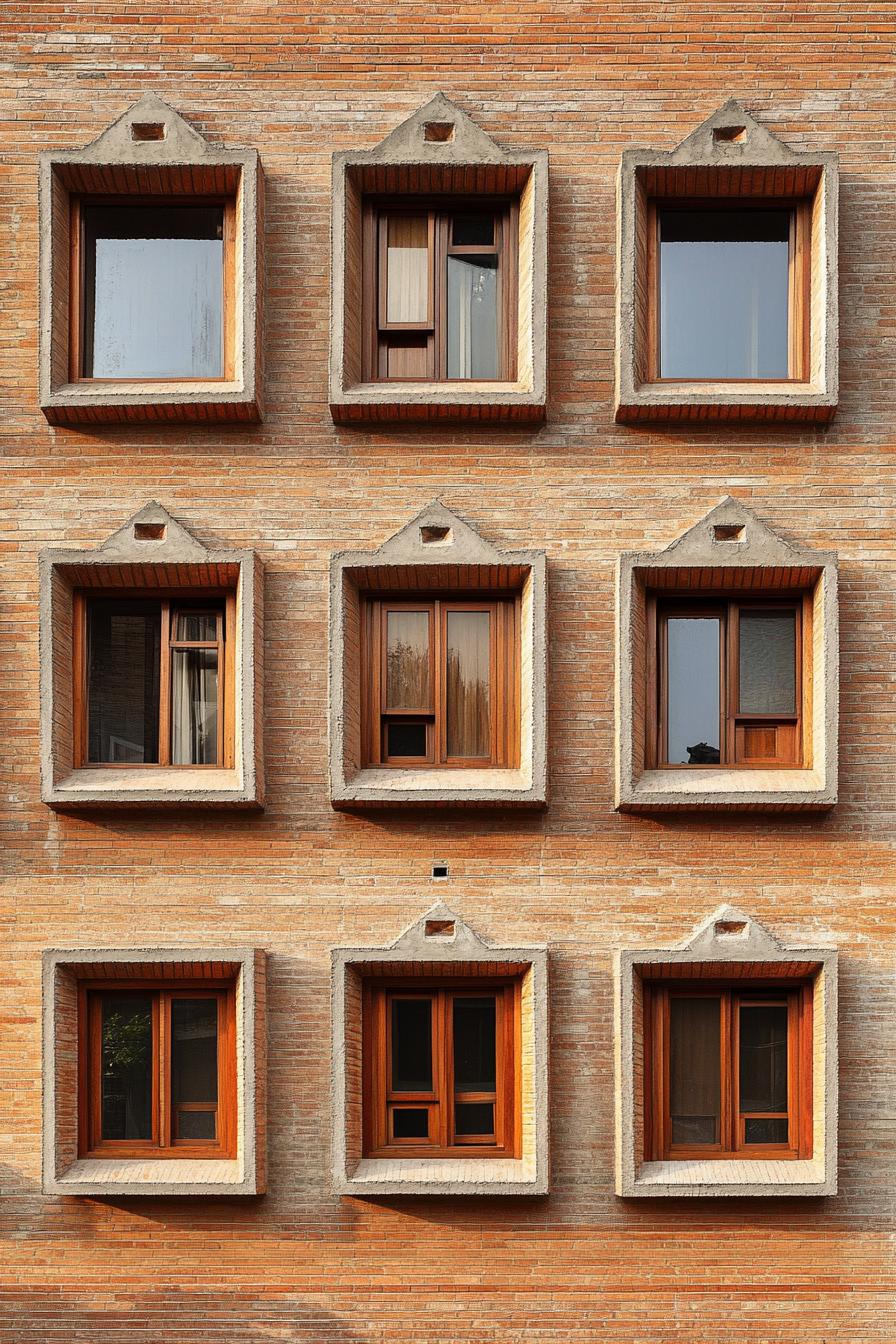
[105, 1176]
[446, 1176]
[694, 788]
[438, 401]
[728, 401]
[401, 788]
[177, 787]
[713, 1178]
[78, 403]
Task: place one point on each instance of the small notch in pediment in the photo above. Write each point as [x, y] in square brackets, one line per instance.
[438, 132]
[144, 131]
[731, 928]
[435, 534]
[729, 135]
[726, 533]
[439, 928]
[150, 531]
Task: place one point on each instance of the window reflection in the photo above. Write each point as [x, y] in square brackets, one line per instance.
[693, 692]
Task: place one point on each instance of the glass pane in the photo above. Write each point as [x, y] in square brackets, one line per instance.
[194, 706]
[196, 626]
[406, 739]
[467, 692]
[692, 700]
[126, 1066]
[763, 1058]
[474, 1117]
[123, 664]
[407, 269]
[767, 662]
[473, 231]
[197, 1125]
[472, 317]
[474, 1044]
[154, 291]
[411, 1045]
[724, 293]
[194, 1050]
[766, 1131]
[695, 1069]
[410, 1123]
[407, 660]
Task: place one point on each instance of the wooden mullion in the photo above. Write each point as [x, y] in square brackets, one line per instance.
[162, 1069]
[75, 290]
[445, 1045]
[730, 704]
[228, 295]
[227, 680]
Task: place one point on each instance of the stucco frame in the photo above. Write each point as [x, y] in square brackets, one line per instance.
[425, 948]
[407, 163]
[436, 549]
[728, 155]
[64, 1172]
[175, 558]
[727, 938]
[755, 556]
[180, 163]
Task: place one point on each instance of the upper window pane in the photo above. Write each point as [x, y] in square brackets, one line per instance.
[474, 1044]
[763, 1057]
[473, 317]
[767, 662]
[196, 626]
[407, 269]
[693, 690]
[473, 231]
[126, 1062]
[123, 661]
[412, 1045]
[695, 1080]
[407, 660]
[467, 683]
[724, 293]
[153, 291]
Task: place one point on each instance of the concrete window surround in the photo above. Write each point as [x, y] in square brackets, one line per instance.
[64, 1172]
[438, 150]
[436, 550]
[727, 939]
[151, 551]
[439, 944]
[729, 155]
[733, 549]
[175, 161]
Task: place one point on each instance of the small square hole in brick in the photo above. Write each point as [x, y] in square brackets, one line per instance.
[147, 130]
[439, 928]
[730, 135]
[731, 928]
[440, 870]
[729, 532]
[149, 531]
[438, 131]
[431, 536]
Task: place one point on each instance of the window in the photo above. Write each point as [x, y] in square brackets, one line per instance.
[153, 290]
[729, 288]
[440, 1069]
[441, 682]
[157, 1069]
[729, 1071]
[153, 681]
[440, 291]
[727, 681]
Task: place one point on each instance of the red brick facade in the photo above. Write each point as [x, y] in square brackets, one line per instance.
[584, 81]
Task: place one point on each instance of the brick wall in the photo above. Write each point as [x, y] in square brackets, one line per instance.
[299, 1264]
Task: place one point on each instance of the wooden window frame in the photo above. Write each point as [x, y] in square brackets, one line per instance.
[163, 1144]
[77, 277]
[799, 281]
[218, 602]
[378, 1101]
[439, 211]
[658, 1146]
[727, 607]
[504, 681]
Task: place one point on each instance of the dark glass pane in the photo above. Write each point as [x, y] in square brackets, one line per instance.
[724, 293]
[194, 706]
[474, 1044]
[473, 317]
[411, 1045]
[467, 673]
[473, 231]
[695, 1069]
[407, 269]
[196, 625]
[407, 660]
[766, 1131]
[126, 1066]
[763, 1058]
[693, 691]
[767, 662]
[197, 1125]
[410, 1123]
[474, 1117]
[123, 681]
[154, 291]
[194, 1050]
[406, 739]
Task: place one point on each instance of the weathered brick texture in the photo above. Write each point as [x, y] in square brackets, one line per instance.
[585, 81]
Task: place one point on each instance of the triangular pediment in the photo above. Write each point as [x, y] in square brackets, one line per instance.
[438, 534]
[465, 142]
[152, 534]
[440, 925]
[731, 134]
[178, 140]
[730, 929]
[731, 533]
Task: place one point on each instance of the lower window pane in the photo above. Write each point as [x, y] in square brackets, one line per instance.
[194, 707]
[406, 739]
[201, 1125]
[126, 1031]
[692, 691]
[473, 317]
[474, 1117]
[123, 662]
[695, 1070]
[410, 1123]
[762, 1130]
